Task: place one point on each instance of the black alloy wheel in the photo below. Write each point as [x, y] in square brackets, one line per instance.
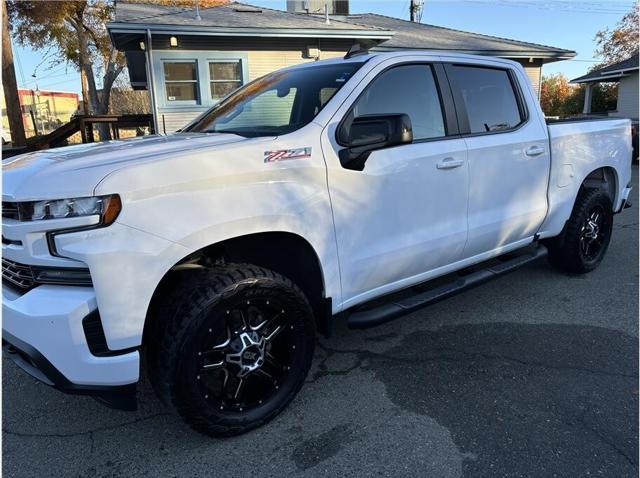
[230, 347]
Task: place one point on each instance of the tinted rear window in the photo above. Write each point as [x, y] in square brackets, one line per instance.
[489, 97]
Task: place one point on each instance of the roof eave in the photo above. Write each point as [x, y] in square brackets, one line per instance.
[119, 27]
[613, 75]
[552, 56]
[600, 79]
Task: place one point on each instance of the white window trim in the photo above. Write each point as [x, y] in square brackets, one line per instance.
[166, 83]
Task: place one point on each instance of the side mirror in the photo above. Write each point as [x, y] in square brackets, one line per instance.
[368, 133]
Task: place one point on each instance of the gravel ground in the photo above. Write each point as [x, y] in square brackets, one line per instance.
[533, 374]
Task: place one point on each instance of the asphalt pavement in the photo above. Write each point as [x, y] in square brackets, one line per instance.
[532, 374]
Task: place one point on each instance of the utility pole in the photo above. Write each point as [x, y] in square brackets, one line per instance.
[415, 10]
[10, 86]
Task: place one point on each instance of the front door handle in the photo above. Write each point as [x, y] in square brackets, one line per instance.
[534, 151]
[449, 163]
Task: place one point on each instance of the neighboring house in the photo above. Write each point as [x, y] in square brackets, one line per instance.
[42, 111]
[625, 73]
[190, 58]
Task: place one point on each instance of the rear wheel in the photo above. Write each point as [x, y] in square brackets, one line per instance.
[585, 239]
[234, 345]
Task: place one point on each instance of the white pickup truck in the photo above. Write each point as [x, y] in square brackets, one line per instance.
[335, 190]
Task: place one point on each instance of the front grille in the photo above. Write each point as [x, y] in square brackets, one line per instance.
[20, 275]
[10, 210]
[26, 277]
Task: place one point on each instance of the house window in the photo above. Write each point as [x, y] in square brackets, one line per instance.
[181, 81]
[224, 77]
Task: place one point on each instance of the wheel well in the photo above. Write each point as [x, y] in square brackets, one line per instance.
[282, 252]
[603, 178]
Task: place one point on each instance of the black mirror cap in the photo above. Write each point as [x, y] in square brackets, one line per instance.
[401, 128]
[368, 133]
[392, 129]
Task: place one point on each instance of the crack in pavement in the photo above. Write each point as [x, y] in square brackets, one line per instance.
[580, 422]
[86, 432]
[323, 369]
[626, 226]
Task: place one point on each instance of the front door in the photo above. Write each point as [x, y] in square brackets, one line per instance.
[405, 213]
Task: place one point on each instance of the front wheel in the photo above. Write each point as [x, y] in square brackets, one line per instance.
[585, 239]
[232, 347]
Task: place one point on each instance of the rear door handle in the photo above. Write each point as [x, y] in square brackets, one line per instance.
[449, 163]
[534, 151]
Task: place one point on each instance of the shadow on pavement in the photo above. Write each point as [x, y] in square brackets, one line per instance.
[523, 400]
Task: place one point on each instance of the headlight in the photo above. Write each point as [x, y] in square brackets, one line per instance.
[107, 207]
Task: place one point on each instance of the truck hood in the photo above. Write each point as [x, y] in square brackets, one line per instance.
[74, 171]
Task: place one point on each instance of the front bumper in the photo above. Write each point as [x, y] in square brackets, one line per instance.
[43, 333]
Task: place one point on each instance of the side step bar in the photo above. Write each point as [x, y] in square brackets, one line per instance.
[361, 319]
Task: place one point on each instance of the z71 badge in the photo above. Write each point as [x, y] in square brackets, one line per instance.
[285, 154]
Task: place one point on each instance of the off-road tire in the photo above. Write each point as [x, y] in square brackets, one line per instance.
[197, 300]
[565, 250]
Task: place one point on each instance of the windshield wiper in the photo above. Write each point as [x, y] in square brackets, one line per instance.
[230, 131]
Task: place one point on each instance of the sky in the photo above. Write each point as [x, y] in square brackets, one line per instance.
[569, 24]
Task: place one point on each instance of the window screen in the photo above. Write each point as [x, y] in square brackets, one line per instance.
[180, 80]
[489, 97]
[409, 89]
[224, 76]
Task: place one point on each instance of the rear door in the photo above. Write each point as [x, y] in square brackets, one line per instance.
[508, 155]
[405, 213]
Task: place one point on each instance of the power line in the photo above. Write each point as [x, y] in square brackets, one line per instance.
[52, 72]
[48, 77]
[617, 8]
[20, 68]
[56, 83]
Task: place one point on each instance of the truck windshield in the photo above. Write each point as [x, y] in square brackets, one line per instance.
[276, 104]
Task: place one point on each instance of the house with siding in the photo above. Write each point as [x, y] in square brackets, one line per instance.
[188, 58]
[625, 73]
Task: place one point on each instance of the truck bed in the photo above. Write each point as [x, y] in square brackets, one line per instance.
[579, 146]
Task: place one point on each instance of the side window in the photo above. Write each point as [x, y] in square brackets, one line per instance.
[409, 89]
[488, 96]
[180, 80]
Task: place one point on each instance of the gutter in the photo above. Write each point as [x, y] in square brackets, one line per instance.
[602, 79]
[116, 28]
[499, 53]
[613, 74]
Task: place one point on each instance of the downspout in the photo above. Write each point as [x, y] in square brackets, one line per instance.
[540, 82]
[151, 84]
